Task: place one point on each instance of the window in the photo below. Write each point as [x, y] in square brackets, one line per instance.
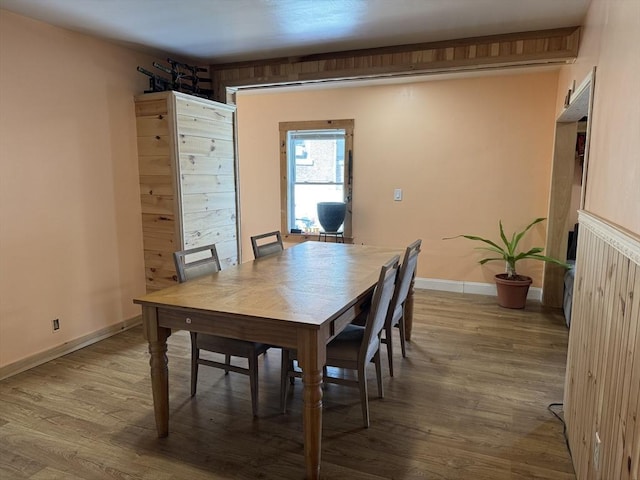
[316, 161]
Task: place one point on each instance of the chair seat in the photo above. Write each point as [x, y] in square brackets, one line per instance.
[346, 345]
[229, 346]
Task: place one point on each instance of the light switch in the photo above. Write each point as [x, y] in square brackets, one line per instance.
[397, 194]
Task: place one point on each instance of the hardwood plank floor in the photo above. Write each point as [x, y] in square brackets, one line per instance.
[469, 402]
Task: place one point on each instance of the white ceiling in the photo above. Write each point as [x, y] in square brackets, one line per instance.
[218, 31]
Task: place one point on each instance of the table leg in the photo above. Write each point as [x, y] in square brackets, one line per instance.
[157, 338]
[312, 357]
[408, 312]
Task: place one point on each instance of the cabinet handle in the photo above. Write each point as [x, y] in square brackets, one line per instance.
[188, 320]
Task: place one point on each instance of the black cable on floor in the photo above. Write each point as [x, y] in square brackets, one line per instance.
[564, 426]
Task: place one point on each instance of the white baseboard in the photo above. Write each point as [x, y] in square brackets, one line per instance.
[67, 347]
[475, 288]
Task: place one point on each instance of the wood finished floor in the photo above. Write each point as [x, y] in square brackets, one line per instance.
[469, 402]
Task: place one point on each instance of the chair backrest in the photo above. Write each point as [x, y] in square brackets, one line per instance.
[403, 283]
[266, 244]
[378, 312]
[203, 261]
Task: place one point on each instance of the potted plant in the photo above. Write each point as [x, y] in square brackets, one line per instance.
[512, 287]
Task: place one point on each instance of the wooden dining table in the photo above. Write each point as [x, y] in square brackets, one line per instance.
[298, 299]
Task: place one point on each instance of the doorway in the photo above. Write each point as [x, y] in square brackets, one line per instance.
[568, 184]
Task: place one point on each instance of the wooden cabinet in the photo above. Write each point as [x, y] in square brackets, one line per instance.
[186, 155]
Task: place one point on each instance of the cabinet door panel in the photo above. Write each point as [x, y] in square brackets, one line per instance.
[210, 218]
[210, 147]
[202, 127]
[207, 183]
[200, 237]
[227, 252]
[202, 202]
[206, 165]
[204, 109]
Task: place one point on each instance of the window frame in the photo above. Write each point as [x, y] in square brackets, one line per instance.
[284, 127]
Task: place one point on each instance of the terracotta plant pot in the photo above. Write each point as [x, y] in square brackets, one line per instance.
[331, 215]
[512, 293]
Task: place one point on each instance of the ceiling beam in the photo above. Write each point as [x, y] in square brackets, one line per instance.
[496, 51]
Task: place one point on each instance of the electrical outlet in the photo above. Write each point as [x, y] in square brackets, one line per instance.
[596, 452]
[55, 324]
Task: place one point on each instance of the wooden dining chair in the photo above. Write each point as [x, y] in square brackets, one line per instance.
[356, 346]
[205, 261]
[266, 244]
[395, 315]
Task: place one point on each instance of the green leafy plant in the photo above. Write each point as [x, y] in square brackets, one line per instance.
[508, 250]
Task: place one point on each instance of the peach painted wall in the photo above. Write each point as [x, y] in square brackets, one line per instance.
[610, 40]
[466, 152]
[70, 234]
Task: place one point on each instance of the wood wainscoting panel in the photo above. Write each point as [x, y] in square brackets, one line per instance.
[603, 366]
